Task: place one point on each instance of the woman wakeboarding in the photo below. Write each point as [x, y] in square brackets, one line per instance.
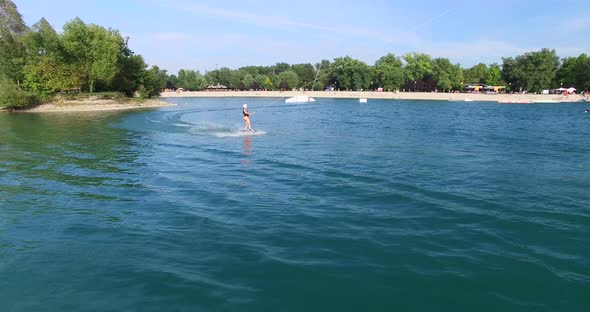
[246, 118]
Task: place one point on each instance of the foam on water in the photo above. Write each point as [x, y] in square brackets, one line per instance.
[240, 133]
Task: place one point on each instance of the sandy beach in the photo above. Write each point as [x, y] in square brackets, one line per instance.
[92, 105]
[385, 95]
[97, 104]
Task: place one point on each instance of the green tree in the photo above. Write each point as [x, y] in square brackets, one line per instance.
[532, 71]
[476, 74]
[210, 76]
[288, 78]
[159, 80]
[322, 75]
[88, 57]
[248, 80]
[12, 56]
[350, 74]
[41, 41]
[260, 81]
[173, 81]
[457, 78]
[494, 75]
[306, 74]
[224, 77]
[268, 83]
[418, 66]
[95, 50]
[129, 77]
[47, 76]
[279, 68]
[13, 97]
[45, 71]
[511, 73]
[150, 83]
[190, 80]
[389, 72]
[252, 70]
[574, 71]
[443, 72]
[237, 76]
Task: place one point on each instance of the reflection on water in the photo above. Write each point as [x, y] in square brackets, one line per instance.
[247, 145]
[247, 148]
[72, 163]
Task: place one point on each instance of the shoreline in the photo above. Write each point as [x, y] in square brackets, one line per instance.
[92, 105]
[105, 105]
[522, 98]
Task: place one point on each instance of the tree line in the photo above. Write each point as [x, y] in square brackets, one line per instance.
[531, 72]
[37, 62]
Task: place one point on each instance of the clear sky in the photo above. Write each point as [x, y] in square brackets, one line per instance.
[204, 35]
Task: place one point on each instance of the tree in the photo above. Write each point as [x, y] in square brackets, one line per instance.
[322, 75]
[532, 71]
[511, 73]
[237, 76]
[457, 78]
[389, 72]
[287, 80]
[41, 41]
[306, 74]
[45, 71]
[279, 68]
[476, 74]
[443, 71]
[150, 83]
[190, 80]
[418, 66]
[172, 82]
[252, 70]
[163, 76]
[210, 76]
[224, 77]
[12, 56]
[248, 80]
[268, 83]
[160, 79]
[494, 75]
[350, 74]
[95, 50]
[259, 80]
[574, 71]
[88, 57]
[13, 97]
[47, 76]
[128, 78]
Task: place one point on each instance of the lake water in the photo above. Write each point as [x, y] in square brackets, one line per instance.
[334, 206]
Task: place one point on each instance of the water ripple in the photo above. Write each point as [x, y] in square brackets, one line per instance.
[415, 206]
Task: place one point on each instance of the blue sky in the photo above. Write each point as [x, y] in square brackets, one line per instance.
[204, 35]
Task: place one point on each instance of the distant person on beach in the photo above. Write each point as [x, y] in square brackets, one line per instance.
[246, 118]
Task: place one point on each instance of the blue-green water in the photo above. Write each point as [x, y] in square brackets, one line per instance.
[339, 206]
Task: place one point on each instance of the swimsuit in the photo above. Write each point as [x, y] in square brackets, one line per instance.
[245, 114]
